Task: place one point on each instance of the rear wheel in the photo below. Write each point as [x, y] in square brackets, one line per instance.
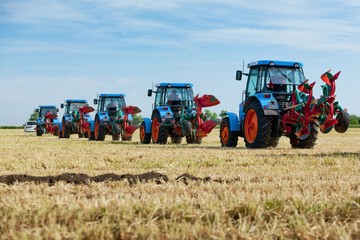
[145, 137]
[159, 133]
[99, 131]
[343, 119]
[228, 138]
[308, 142]
[257, 127]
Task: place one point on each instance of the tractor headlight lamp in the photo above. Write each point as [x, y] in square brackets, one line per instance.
[271, 64]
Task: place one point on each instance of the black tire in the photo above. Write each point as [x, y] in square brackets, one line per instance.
[257, 127]
[91, 136]
[65, 130]
[193, 140]
[176, 139]
[100, 132]
[343, 119]
[115, 132]
[39, 131]
[274, 141]
[186, 125]
[308, 142]
[159, 137]
[145, 138]
[228, 138]
[59, 133]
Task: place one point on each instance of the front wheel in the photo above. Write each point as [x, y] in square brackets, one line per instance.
[145, 137]
[65, 130]
[115, 132]
[99, 131]
[228, 138]
[159, 133]
[39, 131]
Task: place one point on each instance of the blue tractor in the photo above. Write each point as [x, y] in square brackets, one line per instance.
[113, 117]
[76, 118]
[278, 101]
[177, 113]
[47, 121]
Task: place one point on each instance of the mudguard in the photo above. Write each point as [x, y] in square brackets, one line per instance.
[234, 121]
[147, 122]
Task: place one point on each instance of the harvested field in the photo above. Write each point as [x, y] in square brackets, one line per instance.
[54, 188]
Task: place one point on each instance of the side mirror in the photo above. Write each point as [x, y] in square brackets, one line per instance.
[62, 105]
[150, 92]
[239, 75]
[57, 110]
[37, 110]
[95, 101]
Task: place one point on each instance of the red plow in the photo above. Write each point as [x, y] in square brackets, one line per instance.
[306, 111]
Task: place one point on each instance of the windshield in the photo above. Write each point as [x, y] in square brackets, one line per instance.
[74, 106]
[112, 102]
[293, 76]
[44, 111]
[185, 95]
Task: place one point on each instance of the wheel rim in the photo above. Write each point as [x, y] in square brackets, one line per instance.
[96, 130]
[224, 134]
[251, 126]
[155, 130]
[142, 133]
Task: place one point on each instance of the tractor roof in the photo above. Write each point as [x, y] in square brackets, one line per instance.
[179, 85]
[47, 106]
[274, 63]
[112, 95]
[76, 101]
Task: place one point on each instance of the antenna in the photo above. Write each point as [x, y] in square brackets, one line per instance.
[243, 65]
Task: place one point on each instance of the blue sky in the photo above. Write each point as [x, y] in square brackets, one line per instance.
[54, 50]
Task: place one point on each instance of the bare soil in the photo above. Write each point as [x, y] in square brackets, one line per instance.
[80, 178]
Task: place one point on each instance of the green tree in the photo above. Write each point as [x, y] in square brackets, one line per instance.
[137, 119]
[223, 113]
[34, 115]
[210, 115]
[354, 120]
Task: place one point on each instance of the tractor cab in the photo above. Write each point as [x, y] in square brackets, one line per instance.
[110, 103]
[47, 110]
[72, 106]
[175, 95]
[273, 79]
